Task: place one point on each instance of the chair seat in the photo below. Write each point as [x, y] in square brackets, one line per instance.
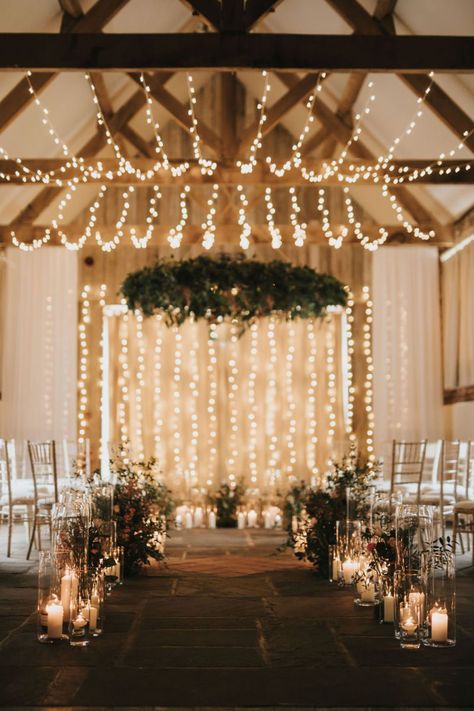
[434, 499]
[464, 506]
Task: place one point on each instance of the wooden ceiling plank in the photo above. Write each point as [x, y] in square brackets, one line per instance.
[19, 97]
[297, 93]
[439, 102]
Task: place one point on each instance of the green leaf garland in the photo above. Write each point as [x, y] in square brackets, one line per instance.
[230, 287]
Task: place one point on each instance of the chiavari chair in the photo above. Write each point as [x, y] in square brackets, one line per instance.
[45, 486]
[16, 497]
[463, 516]
[443, 494]
[408, 460]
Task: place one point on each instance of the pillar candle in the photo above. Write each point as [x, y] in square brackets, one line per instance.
[388, 608]
[241, 520]
[294, 524]
[55, 614]
[212, 520]
[189, 520]
[93, 614]
[252, 518]
[66, 581]
[439, 624]
[349, 567]
[409, 625]
[336, 568]
[368, 593]
[198, 517]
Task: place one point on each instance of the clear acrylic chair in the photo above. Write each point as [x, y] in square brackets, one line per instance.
[16, 496]
[443, 494]
[408, 460]
[45, 486]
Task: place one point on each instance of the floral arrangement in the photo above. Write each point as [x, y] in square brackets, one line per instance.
[142, 507]
[323, 507]
[293, 503]
[226, 500]
[231, 287]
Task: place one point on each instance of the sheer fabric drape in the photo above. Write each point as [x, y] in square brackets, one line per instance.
[212, 406]
[407, 347]
[458, 318]
[39, 342]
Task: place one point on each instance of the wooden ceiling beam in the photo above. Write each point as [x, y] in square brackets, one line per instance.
[209, 10]
[439, 102]
[257, 10]
[226, 233]
[314, 141]
[179, 112]
[143, 147]
[236, 51]
[298, 92]
[226, 173]
[19, 97]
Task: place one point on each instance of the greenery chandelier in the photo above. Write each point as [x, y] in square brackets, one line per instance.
[232, 288]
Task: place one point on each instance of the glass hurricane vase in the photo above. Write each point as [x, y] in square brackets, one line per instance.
[439, 572]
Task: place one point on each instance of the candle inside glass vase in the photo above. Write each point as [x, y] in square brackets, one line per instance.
[349, 569]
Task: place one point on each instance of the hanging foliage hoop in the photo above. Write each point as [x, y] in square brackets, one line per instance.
[231, 287]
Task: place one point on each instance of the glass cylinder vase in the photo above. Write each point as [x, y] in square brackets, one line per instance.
[409, 609]
[413, 534]
[50, 608]
[79, 617]
[439, 572]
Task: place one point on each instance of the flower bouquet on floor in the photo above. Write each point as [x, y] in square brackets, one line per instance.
[345, 496]
[226, 501]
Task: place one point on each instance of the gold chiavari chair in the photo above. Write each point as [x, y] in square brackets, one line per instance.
[45, 486]
[408, 460]
[16, 497]
[463, 517]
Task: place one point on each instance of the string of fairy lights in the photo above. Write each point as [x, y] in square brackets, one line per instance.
[384, 173]
[195, 401]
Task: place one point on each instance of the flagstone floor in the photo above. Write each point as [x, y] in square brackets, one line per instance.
[228, 624]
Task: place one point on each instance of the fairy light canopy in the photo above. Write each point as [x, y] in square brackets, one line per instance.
[367, 136]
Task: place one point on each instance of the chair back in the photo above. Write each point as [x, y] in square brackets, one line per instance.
[44, 469]
[5, 472]
[469, 480]
[77, 457]
[408, 459]
[451, 472]
[432, 462]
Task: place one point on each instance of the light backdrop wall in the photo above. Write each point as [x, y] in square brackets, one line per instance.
[408, 400]
[39, 364]
[268, 407]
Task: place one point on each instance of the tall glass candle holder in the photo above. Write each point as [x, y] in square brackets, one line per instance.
[409, 609]
[335, 564]
[439, 572]
[79, 616]
[50, 609]
[94, 611]
[366, 587]
[414, 534]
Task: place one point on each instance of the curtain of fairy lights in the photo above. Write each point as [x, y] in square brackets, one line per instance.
[267, 407]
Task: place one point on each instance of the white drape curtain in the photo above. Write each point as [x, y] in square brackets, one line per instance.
[39, 345]
[407, 345]
[458, 318]
[266, 407]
